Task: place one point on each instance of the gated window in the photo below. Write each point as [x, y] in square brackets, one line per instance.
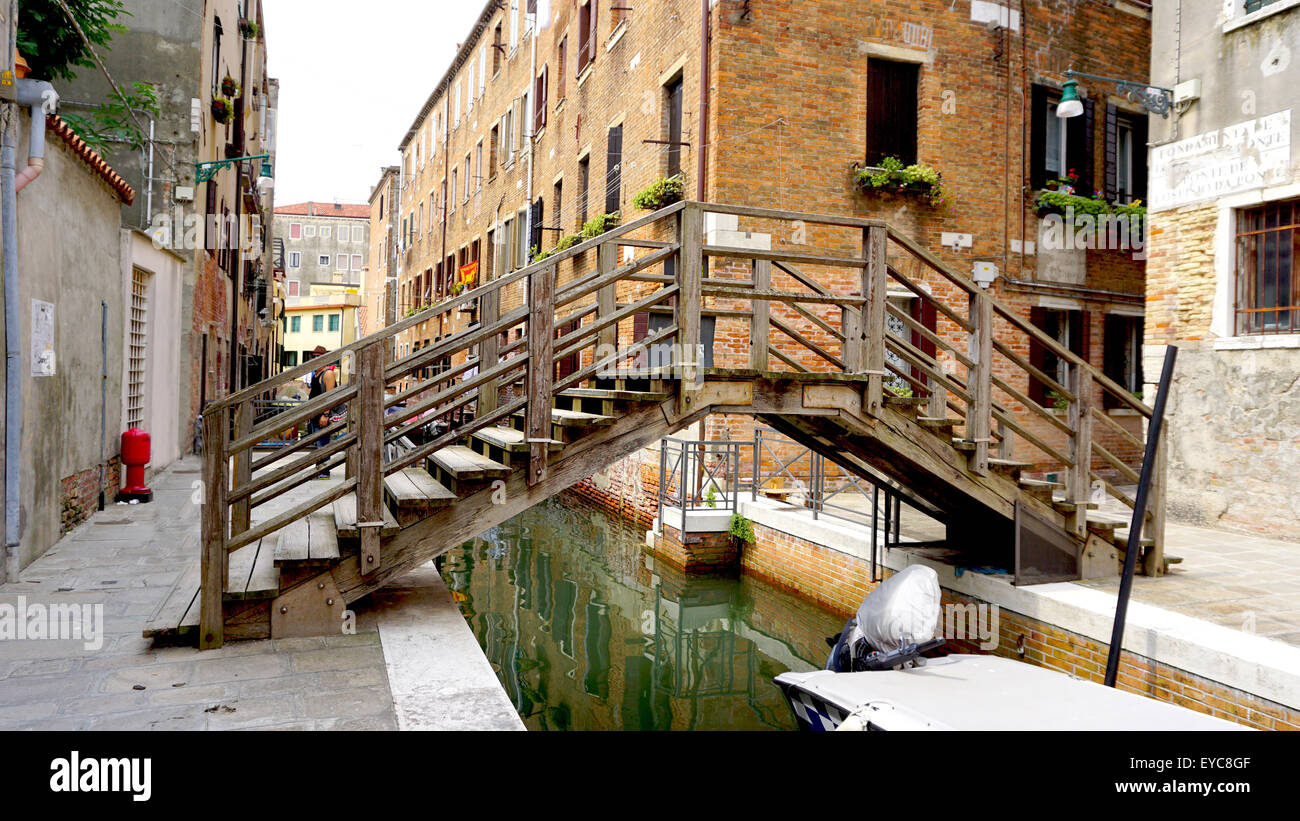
[1060, 145]
[1122, 355]
[1070, 329]
[614, 169]
[139, 338]
[891, 111]
[1268, 280]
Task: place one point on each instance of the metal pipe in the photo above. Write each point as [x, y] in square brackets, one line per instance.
[1139, 516]
[702, 166]
[103, 398]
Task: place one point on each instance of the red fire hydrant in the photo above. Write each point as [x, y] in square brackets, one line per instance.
[135, 455]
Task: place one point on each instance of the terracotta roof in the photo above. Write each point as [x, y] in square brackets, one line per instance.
[325, 209]
[55, 124]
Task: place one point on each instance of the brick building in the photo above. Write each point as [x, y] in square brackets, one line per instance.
[1224, 281]
[546, 121]
[378, 305]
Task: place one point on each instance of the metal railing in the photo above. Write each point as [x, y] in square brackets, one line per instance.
[695, 475]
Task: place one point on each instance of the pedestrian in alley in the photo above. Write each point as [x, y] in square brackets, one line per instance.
[323, 380]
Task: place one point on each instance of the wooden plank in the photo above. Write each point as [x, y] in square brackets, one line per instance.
[414, 489]
[216, 430]
[344, 515]
[372, 515]
[1013, 426]
[513, 440]
[759, 324]
[1081, 448]
[489, 314]
[466, 465]
[297, 512]
[806, 342]
[782, 256]
[789, 216]
[253, 574]
[875, 287]
[617, 395]
[979, 408]
[169, 617]
[323, 535]
[690, 271]
[607, 297]
[243, 471]
[541, 368]
[295, 542]
[770, 295]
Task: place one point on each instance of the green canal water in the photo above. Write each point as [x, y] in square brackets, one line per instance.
[587, 631]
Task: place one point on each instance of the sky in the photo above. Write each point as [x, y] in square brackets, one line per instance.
[353, 76]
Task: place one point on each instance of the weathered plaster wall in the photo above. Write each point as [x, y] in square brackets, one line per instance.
[69, 255]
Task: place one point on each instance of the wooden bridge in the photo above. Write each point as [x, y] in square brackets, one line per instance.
[942, 410]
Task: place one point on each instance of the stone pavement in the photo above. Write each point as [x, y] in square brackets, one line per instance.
[126, 559]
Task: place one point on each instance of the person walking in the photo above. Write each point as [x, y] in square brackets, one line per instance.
[323, 380]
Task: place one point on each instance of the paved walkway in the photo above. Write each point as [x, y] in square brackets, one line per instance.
[126, 559]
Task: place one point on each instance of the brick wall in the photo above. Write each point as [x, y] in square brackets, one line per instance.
[79, 493]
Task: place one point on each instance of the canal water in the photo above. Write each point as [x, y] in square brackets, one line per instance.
[587, 631]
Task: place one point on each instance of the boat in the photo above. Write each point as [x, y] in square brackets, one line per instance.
[883, 674]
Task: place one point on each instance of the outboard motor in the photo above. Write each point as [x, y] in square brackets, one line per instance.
[895, 624]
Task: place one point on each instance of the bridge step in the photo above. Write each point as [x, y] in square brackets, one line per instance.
[414, 490]
[313, 539]
[345, 520]
[510, 440]
[1009, 467]
[253, 574]
[578, 419]
[1070, 507]
[616, 395]
[461, 464]
[178, 614]
[906, 401]
[935, 423]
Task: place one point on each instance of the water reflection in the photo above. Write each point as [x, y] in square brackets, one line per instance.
[588, 632]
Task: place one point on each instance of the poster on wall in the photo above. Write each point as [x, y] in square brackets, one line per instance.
[1237, 158]
[42, 338]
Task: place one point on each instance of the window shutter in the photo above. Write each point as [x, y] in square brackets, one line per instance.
[1080, 331]
[891, 95]
[1038, 144]
[1079, 149]
[1140, 158]
[614, 170]
[591, 34]
[1112, 153]
[1115, 340]
[1037, 355]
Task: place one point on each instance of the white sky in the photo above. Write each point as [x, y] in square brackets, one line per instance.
[353, 76]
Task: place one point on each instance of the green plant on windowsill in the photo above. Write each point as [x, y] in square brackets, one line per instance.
[563, 244]
[662, 193]
[1057, 401]
[891, 176]
[742, 529]
[601, 224]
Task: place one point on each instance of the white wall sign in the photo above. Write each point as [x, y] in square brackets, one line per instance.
[1240, 157]
[42, 338]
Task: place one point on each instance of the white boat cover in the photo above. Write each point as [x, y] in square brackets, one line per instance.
[904, 609]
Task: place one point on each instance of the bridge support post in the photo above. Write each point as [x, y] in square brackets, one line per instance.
[240, 514]
[871, 342]
[760, 328]
[607, 301]
[213, 565]
[690, 270]
[1081, 450]
[979, 411]
[541, 369]
[488, 349]
[369, 450]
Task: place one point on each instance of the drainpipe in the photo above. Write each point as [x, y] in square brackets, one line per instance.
[39, 97]
[530, 124]
[703, 166]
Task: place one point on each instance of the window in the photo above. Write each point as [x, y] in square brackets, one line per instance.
[482, 69]
[289, 359]
[420, 224]
[1060, 145]
[452, 201]
[891, 111]
[558, 200]
[326, 232]
[1070, 329]
[309, 231]
[1126, 156]
[514, 24]
[295, 230]
[1122, 355]
[507, 244]
[323, 261]
[467, 179]
[674, 92]
[1268, 276]
[535, 220]
[318, 323]
[508, 132]
[358, 233]
[478, 166]
[469, 88]
[586, 35]
[356, 262]
[295, 324]
[521, 240]
[584, 180]
[294, 287]
[494, 145]
[335, 319]
[539, 95]
[295, 259]
[561, 58]
[456, 103]
[498, 49]
[614, 169]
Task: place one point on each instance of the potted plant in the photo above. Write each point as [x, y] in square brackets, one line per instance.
[601, 224]
[742, 530]
[891, 176]
[660, 194]
[249, 28]
[230, 88]
[222, 109]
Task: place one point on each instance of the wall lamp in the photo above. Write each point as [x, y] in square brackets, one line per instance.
[205, 171]
[1153, 98]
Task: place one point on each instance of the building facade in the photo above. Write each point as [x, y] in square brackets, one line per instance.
[1223, 280]
[546, 123]
[379, 280]
[216, 222]
[328, 316]
[324, 243]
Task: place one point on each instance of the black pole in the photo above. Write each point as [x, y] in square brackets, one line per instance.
[1139, 516]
